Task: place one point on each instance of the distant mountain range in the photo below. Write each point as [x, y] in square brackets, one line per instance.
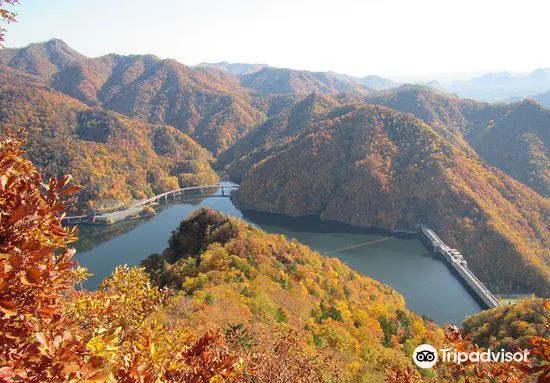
[238, 69]
[216, 108]
[282, 80]
[213, 109]
[490, 87]
[502, 86]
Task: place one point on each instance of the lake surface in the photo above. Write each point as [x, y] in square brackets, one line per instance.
[428, 285]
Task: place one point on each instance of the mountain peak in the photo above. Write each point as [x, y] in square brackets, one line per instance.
[55, 42]
[51, 46]
[42, 59]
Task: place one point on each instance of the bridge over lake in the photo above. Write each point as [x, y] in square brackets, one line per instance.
[138, 208]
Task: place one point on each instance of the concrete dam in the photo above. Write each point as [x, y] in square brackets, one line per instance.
[458, 263]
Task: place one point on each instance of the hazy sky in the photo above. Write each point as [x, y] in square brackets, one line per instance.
[357, 37]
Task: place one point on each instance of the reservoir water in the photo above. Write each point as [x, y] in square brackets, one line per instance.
[426, 282]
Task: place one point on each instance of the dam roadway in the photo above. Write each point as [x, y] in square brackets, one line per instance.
[458, 263]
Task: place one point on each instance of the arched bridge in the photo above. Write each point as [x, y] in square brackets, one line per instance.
[135, 209]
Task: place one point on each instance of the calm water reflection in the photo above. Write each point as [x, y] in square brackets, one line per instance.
[426, 282]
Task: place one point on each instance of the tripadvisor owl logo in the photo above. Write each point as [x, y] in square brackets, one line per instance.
[425, 356]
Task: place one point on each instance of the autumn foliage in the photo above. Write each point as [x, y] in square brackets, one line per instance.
[303, 318]
[371, 166]
[215, 110]
[6, 16]
[228, 273]
[511, 326]
[112, 157]
[35, 270]
[537, 369]
[51, 332]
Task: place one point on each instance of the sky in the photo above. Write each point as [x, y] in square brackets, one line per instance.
[397, 38]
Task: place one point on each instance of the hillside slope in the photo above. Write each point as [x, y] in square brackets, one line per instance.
[110, 156]
[512, 137]
[371, 166]
[518, 143]
[43, 60]
[511, 326]
[276, 133]
[212, 109]
[231, 274]
[281, 80]
[205, 103]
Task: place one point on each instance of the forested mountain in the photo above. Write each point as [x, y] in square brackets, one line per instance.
[517, 142]
[232, 275]
[371, 166]
[109, 155]
[217, 108]
[212, 109]
[277, 133]
[512, 137]
[449, 115]
[378, 83]
[510, 327]
[43, 60]
[445, 113]
[234, 68]
[208, 105]
[518, 145]
[441, 110]
[282, 80]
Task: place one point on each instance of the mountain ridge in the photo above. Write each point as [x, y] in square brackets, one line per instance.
[498, 86]
[147, 88]
[467, 123]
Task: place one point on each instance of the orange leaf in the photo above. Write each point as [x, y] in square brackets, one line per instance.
[33, 275]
